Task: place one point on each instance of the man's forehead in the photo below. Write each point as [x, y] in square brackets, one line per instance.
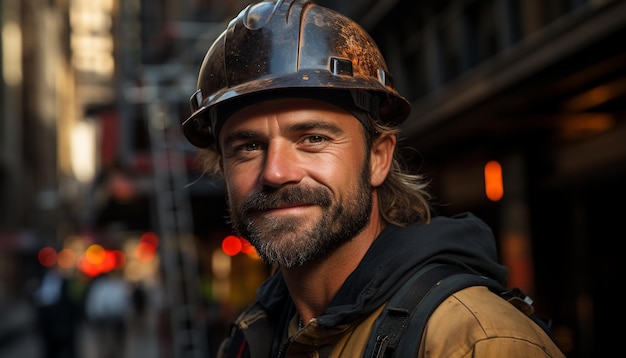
[290, 104]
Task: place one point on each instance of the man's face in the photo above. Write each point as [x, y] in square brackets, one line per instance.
[297, 178]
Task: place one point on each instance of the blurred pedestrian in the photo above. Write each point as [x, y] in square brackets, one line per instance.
[139, 299]
[57, 315]
[107, 306]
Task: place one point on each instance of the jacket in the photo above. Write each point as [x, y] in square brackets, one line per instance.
[484, 324]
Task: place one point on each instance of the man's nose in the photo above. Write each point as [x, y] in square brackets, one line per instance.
[282, 165]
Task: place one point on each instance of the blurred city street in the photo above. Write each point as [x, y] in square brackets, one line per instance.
[141, 339]
[18, 330]
[20, 337]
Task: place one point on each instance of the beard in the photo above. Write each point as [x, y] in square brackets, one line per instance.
[293, 241]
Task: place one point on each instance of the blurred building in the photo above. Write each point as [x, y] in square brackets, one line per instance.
[526, 98]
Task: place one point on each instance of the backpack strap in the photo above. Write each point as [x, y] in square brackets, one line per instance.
[237, 345]
[448, 285]
[390, 326]
[399, 328]
[246, 342]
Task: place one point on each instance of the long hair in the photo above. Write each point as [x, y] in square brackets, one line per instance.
[403, 197]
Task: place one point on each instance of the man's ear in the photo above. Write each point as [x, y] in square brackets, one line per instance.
[381, 158]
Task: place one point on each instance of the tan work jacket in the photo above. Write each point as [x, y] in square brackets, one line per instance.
[473, 322]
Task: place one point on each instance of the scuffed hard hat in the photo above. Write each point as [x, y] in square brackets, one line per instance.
[291, 48]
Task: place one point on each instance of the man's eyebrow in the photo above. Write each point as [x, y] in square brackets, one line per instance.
[297, 127]
[316, 124]
[239, 135]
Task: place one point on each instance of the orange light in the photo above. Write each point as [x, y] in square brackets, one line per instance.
[97, 260]
[66, 258]
[47, 256]
[231, 245]
[121, 187]
[144, 252]
[147, 246]
[494, 187]
[95, 254]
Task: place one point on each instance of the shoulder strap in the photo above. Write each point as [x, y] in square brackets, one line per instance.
[398, 330]
[237, 345]
[445, 287]
[251, 334]
[391, 325]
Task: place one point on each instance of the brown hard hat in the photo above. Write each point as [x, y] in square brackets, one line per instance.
[292, 48]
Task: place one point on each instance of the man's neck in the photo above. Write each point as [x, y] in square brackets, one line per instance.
[313, 285]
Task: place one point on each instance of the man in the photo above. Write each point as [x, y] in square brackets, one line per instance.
[297, 110]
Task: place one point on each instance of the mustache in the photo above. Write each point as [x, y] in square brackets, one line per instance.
[293, 195]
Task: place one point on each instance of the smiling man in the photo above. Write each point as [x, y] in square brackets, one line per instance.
[296, 109]
[290, 167]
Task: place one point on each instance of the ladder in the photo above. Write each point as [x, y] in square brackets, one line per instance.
[173, 217]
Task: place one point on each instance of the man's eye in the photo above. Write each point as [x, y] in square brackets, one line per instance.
[315, 139]
[252, 146]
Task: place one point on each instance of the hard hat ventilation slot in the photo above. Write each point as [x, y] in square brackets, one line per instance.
[385, 78]
[340, 66]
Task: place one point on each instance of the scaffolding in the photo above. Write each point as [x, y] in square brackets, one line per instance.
[173, 219]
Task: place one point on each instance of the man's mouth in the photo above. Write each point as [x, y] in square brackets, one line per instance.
[291, 207]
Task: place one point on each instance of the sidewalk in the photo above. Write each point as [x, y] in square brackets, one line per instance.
[18, 330]
[20, 338]
[141, 339]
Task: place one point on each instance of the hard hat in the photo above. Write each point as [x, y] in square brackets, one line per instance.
[291, 48]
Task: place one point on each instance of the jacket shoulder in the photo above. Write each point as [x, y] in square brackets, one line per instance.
[484, 324]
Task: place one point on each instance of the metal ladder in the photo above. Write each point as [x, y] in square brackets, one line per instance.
[174, 219]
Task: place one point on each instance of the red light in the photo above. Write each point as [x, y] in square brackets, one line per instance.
[231, 245]
[109, 262]
[120, 259]
[150, 239]
[121, 187]
[147, 246]
[88, 267]
[47, 256]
